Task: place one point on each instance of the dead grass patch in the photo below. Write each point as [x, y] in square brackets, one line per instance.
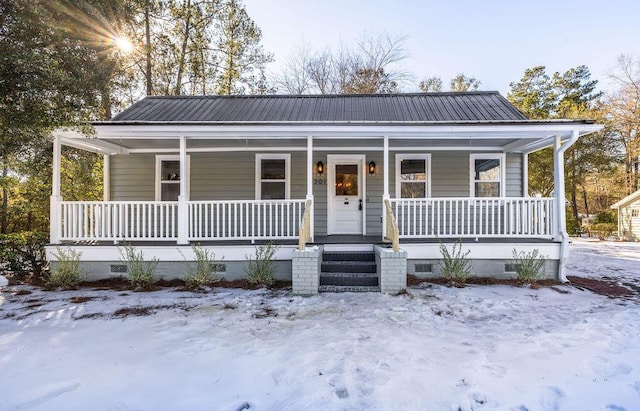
[81, 299]
[604, 287]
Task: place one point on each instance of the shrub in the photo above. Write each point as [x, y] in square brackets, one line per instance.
[205, 271]
[605, 217]
[529, 266]
[140, 271]
[603, 230]
[455, 265]
[67, 272]
[23, 252]
[261, 270]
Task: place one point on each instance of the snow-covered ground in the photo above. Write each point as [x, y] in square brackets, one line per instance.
[436, 348]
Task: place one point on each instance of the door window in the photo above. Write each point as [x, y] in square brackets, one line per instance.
[346, 179]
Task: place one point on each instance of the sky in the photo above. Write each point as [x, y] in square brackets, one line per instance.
[494, 41]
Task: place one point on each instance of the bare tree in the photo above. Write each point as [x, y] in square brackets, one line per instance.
[373, 65]
[463, 83]
[623, 106]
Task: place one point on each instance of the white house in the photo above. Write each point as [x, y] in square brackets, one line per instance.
[344, 175]
[629, 217]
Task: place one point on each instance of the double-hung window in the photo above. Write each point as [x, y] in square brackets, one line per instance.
[487, 175]
[168, 177]
[273, 176]
[413, 175]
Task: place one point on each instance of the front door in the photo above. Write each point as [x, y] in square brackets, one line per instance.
[345, 194]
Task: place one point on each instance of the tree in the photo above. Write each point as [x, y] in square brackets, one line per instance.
[431, 84]
[572, 95]
[463, 83]
[623, 115]
[373, 65]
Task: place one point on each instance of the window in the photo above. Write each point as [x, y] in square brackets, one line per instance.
[272, 176]
[413, 175]
[635, 212]
[487, 175]
[168, 177]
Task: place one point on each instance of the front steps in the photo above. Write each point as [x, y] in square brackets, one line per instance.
[349, 271]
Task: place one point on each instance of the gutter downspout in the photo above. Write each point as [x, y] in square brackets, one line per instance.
[559, 150]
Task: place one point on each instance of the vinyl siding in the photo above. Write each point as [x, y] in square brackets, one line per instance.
[231, 176]
[629, 226]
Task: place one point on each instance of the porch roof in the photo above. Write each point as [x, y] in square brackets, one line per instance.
[357, 108]
[472, 121]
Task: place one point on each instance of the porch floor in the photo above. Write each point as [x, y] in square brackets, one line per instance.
[327, 239]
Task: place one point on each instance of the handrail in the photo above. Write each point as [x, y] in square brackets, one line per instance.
[391, 233]
[304, 234]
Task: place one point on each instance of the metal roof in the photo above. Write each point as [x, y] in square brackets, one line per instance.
[451, 107]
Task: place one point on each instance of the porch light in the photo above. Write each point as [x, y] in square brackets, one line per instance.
[319, 167]
[372, 167]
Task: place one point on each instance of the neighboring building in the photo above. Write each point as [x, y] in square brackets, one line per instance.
[629, 217]
[232, 171]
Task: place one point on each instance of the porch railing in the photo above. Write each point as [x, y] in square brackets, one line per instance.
[244, 219]
[116, 220]
[474, 217]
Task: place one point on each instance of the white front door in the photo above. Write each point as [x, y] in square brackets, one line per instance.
[345, 194]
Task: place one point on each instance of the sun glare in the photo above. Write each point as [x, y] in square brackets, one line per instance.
[124, 44]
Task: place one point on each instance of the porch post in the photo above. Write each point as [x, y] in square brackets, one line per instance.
[385, 178]
[55, 210]
[183, 217]
[525, 174]
[558, 186]
[106, 177]
[310, 183]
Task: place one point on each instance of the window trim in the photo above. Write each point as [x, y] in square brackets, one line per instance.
[159, 160]
[413, 156]
[287, 172]
[472, 175]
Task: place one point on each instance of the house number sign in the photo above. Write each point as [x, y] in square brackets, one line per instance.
[319, 181]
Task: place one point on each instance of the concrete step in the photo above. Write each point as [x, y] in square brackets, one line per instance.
[348, 289]
[348, 267]
[348, 256]
[349, 279]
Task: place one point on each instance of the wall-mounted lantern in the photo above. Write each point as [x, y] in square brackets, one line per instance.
[372, 167]
[319, 168]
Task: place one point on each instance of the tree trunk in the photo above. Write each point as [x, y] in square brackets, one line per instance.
[183, 49]
[5, 203]
[147, 47]
[586, 202]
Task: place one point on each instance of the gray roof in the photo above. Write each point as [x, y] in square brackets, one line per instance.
[452, 107]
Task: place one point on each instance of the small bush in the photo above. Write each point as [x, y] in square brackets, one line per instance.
[605, 217]
[455, 265]
[140, 271]
[261, 270]
[23, 252]
[529, 266]
[204, 273]
[67, 273]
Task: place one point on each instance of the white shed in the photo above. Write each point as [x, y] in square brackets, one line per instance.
[629, 217]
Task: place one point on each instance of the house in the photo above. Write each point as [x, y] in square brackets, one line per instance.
[629, 217]
[357, 190]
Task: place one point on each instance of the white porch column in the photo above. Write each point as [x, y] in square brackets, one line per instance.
[525, 174]
[183, 217]
[558, 187]
[106, 177]
[385, 178]
[55, 210]
[310, 183]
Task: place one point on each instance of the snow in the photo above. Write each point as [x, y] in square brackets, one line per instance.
[435, 348]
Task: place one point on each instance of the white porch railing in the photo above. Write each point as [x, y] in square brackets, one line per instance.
[474, 217]
[158, 220]
[245, 219]
[119, 220]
